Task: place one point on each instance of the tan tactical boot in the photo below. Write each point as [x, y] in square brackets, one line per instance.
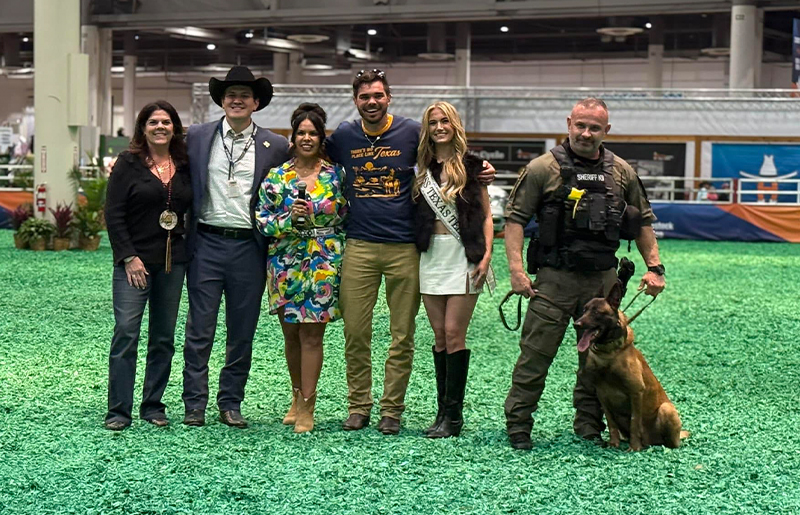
[291, 415]
[305, 413]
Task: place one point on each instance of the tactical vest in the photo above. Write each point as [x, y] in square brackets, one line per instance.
[579, 225]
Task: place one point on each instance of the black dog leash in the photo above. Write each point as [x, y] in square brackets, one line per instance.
[519, 310]
[631, 319]
[519, 307]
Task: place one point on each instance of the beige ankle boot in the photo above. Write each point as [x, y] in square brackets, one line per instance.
[305, 413]
[291, 415]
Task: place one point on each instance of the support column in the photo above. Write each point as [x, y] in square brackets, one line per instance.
[743, 44]
[463, 54]
[295, 67]
[97, 44]
[655, 55]
[759, 50]
[129, 85]
[280, 65]
[57, 97]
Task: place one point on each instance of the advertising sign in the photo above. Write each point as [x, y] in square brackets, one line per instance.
[507, 156]
[766, 167]
[654, 160]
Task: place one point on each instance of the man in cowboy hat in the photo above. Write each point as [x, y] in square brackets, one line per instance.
[228, 160]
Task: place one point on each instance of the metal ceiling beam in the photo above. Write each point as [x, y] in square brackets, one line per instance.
[442, 11]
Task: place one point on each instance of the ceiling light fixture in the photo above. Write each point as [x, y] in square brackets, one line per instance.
[372, 32]
[503, 29]
[211, 46]
[308, 38]
[619, 32]
[249, 34]
[25, 39]
[648, 25]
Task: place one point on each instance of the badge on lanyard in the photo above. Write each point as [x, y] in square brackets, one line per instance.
[233, 188]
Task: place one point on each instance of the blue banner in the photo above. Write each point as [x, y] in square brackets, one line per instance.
[745, 161]
[796, 52]
[773, 165]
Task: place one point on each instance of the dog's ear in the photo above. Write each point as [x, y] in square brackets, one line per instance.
[614, 297]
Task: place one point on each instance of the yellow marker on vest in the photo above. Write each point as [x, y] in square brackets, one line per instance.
[576, 195]
[266, 144]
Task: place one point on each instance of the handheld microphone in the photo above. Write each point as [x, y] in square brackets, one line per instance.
[301, 195]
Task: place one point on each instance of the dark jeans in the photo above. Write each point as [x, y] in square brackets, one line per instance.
[237, 269]
[163, 292]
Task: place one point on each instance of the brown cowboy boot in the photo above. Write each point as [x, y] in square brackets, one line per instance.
[291, 415]
[305, 413]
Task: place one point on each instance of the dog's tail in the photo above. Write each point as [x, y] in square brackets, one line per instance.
[626, 271]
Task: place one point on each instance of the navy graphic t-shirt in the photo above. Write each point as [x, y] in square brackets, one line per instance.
[379, 175]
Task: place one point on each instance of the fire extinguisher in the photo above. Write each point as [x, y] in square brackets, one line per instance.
[41, 197]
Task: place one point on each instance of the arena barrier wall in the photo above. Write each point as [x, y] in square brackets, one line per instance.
[727, 222]
[9, 200]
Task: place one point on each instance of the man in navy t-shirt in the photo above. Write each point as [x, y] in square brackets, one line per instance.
[378, 153]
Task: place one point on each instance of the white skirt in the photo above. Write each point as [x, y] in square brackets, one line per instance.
[444, 269]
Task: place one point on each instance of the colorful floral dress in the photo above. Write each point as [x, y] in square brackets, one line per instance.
[303, 272]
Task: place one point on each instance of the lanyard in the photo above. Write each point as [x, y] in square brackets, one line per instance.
[229, 152]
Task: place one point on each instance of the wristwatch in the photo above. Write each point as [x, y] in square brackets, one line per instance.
[657, 269]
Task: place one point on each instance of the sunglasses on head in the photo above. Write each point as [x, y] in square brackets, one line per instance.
[379, 73]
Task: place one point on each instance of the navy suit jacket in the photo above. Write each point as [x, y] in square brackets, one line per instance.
[271, 150]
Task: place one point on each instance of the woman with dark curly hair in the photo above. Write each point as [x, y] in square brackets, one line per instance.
[148, 195]
[454, 237]
[302, 207]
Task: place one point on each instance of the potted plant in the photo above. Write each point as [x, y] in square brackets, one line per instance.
[88, 223]
[62, 214]
[18, 217]
[36, 232]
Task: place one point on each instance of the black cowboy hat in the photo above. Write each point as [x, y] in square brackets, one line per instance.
[241, 76]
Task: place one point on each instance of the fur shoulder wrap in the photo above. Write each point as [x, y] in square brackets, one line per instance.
[471, 216]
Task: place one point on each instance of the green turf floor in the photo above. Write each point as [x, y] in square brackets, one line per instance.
[722, 339]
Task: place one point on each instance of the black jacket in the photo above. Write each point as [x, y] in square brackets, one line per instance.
[134, 201]
[471, 215]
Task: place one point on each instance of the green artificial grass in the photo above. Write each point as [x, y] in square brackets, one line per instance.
[722, 339]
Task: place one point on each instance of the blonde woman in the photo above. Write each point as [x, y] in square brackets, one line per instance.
[454, 237]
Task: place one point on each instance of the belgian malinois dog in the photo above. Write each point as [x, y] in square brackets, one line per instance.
[635, 404]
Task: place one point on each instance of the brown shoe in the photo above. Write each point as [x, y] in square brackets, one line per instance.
[158, 421]
[389, 426]
[355, 422]
[305, 413]
[232, 418]
[116, 425]
[291, 415]
[195, 417]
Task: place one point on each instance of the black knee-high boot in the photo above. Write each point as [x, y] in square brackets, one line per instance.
[456, 384]
[440, 365]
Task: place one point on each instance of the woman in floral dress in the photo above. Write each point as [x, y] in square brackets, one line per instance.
[305, 256]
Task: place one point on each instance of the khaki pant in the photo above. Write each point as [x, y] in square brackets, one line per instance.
[563, 296]
[364, 264]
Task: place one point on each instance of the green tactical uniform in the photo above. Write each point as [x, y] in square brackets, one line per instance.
[562, 295]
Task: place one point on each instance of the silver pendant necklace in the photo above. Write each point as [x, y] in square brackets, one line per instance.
[372, 143]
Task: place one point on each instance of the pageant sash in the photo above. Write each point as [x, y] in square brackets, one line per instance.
[447, 213]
